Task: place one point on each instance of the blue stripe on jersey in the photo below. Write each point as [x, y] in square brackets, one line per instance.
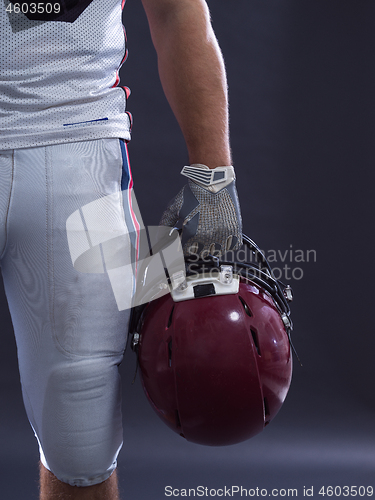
[87, 121]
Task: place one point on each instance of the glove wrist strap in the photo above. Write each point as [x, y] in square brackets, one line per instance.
[212, 179]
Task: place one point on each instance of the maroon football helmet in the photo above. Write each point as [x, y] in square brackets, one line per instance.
[216, 366]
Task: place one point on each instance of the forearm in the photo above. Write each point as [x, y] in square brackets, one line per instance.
[193, 76]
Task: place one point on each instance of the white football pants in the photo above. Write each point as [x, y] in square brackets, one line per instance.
[69, 331]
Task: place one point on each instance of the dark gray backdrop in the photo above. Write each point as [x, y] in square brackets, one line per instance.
[301, 78]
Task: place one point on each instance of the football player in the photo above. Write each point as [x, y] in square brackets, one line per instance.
[63, 134]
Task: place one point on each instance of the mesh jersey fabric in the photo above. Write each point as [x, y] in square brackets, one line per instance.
[59, 78]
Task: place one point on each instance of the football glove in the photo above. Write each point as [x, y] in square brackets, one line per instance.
[207, 210]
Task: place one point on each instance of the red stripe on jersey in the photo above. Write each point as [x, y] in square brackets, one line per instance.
[127, 91]
[117, 81]
[131, 118]
[126, 46]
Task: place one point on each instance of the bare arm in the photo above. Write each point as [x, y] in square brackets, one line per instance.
[193, 76]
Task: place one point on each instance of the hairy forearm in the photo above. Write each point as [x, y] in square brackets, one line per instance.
[193, 76]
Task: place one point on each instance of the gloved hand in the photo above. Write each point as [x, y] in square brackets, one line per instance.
[207, 209]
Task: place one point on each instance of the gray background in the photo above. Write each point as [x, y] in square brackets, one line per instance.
[301, 77]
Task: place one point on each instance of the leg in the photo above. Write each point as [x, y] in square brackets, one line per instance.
[70, 334]
[51, 488]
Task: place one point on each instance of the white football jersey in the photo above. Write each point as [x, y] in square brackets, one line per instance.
[59, 67]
